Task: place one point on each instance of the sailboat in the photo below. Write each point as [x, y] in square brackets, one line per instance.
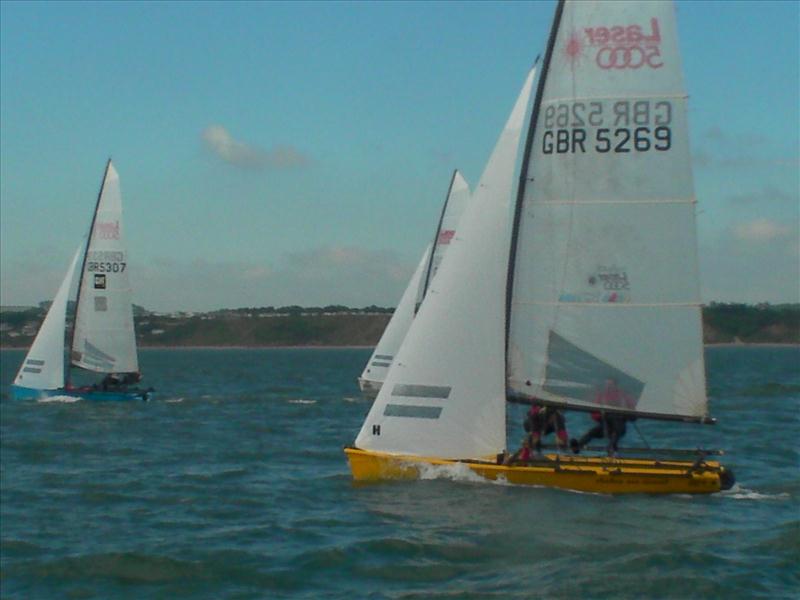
[378, 364]
[594, 282]
[103, 339]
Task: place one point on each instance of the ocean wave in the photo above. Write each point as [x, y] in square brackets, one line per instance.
[302, 401]
[63, 399]
[452, 472]
[738, 492]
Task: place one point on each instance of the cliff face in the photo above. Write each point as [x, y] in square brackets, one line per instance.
[722, 323]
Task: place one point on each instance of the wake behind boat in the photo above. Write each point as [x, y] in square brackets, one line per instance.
[103, 339]
[598, 294]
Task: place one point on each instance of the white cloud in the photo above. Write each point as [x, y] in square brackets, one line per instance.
[760, 230]
[217, 139]
[740, 151]
[753, 261]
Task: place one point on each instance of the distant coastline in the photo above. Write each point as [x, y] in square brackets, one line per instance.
[343, 327]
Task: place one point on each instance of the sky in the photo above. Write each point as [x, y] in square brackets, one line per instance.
[299, 153]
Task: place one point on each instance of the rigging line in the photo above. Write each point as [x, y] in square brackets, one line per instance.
[626, 97]
[636, 427]
[691, 200]
[612, 304]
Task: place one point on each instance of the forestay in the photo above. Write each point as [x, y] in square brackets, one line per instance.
[454, 205]
[104, 339]
[445, 393]
[43, 367]
[382, 356]
[605, 306]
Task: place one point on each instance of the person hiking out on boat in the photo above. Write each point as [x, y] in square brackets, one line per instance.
[543, 420]
[523, 455]
[609, 425]
[117, 381]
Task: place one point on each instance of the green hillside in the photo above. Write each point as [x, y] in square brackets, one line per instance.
[343, 326]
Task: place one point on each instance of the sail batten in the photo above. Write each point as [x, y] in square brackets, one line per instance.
[605, 219]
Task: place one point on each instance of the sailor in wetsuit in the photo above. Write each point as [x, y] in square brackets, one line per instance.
[542, 420]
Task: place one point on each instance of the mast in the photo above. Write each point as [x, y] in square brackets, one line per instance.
[435, 240]
[523, 173]
[83, 266]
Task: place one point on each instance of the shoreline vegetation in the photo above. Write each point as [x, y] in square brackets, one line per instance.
[343, 327]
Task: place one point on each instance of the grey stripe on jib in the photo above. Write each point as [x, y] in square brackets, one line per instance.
[380, 364]
[35, 362]
[408, 410]
[31, 370]
[383, 357]
[411, 390]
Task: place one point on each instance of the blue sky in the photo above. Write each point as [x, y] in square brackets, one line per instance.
[275, 153]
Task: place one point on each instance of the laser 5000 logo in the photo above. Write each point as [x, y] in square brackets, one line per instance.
[620, 46]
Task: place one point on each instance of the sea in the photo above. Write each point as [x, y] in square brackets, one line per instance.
[232, 483]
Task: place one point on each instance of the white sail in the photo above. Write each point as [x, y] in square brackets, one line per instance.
[104, 339]
[381, 359]
[454, 205]
[43, 367]
[445, 393]
[605, 308]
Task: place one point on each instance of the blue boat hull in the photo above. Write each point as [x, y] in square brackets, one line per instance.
[24, 393]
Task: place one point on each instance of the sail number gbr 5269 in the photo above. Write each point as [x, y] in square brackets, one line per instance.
[624, 126]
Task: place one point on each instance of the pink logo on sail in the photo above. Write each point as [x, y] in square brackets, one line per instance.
[445, 236]
[620, 46]
[107, 231]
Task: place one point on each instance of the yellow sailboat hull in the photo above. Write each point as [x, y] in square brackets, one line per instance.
[582, 473]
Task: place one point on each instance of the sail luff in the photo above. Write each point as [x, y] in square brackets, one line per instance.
[455, 203]
[523, 172]
[426, 281]
[71, 344]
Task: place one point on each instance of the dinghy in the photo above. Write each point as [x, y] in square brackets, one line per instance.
[378, 364]
[600, 287]
[103, 339]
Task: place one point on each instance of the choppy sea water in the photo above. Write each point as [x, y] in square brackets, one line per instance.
[233, 484]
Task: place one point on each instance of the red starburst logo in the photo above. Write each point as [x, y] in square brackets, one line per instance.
[574, 47]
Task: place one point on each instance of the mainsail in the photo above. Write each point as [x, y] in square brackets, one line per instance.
[454, 205]
[445, 393]
[104, 339]
[43, 367]
[381, 359]
[604, 307]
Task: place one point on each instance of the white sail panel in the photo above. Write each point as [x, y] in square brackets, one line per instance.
[383, 355]
[104, 339]
[605, 308]
[445, 393]
[43, 367]
[454, 205]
